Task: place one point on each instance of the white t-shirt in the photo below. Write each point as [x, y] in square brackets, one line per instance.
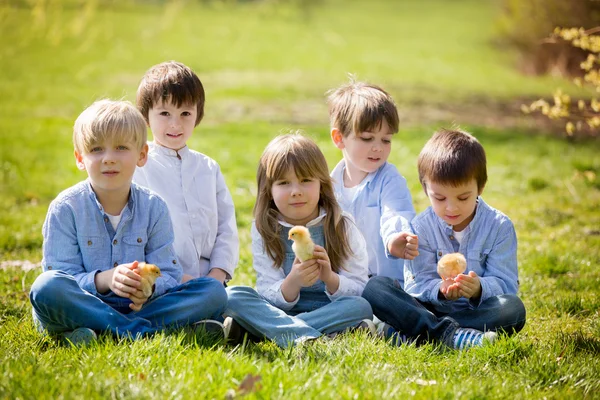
[115, 219]
[460, 235]
[200, 205]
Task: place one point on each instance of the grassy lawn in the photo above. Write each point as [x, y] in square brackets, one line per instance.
[266, 67]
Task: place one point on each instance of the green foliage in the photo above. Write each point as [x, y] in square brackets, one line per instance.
[585, 117]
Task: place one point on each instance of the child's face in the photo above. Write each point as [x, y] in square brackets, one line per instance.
[455, 205]
[172, 126]
[297, 199]
[110, 165]
[366, 152]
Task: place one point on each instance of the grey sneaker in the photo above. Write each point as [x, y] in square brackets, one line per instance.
[368, 326]
[79, 337]
[388, 332]
[465, 338]
[211, 327]
[233, 332]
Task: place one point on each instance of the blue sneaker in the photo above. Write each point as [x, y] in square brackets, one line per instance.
[388, 332]
[465, 338]
[79, 337]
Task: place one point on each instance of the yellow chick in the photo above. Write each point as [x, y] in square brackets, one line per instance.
[149, 273]
[451, 265]
[303, 246]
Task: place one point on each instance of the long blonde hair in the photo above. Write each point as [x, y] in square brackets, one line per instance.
[301, 155]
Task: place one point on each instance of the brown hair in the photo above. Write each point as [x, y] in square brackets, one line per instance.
[108, 119]
[303, 156]
[452, 157]
[360, 107]
[170, 81]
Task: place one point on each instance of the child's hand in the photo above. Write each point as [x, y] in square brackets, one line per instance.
[469, 285]
[322, 258]
[450, 290]
[330, 278]
[125, 281]
[404, 245]
[305, 273]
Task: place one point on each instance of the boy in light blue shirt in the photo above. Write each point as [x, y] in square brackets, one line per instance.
[363, 120]
[98, 231]
[455, 311]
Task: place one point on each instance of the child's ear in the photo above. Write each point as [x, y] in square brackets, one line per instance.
[337, 137]
[79, 161]
[143, 156]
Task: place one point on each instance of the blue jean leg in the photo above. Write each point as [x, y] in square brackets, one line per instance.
[262, 319]
[406, 314]
[500, 313]
[60, 305]
[342, 313]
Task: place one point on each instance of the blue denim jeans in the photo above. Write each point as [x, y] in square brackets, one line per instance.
[59, 305]
[312, 316]
[419, 320]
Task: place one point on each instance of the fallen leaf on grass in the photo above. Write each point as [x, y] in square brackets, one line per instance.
[249, 384]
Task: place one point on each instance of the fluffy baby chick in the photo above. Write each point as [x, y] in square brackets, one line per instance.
[451, 265]
[149, 273]
[303, 245]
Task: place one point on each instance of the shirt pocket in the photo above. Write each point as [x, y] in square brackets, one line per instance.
[476, 260]
[95, 252]
[135, 247]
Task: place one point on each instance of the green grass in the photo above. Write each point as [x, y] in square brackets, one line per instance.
[266, 67]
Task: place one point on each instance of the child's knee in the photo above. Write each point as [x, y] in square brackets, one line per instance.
[49, 286]
[376, 287]
[360, 307]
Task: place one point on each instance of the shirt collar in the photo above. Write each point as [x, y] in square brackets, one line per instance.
[94, 198]
[322, 214]
[183, 152]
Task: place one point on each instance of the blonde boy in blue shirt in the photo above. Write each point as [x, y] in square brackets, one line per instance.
[456, 311]
[364, 119]
[97, 232]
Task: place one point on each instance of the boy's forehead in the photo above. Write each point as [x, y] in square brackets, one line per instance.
[441, 187]
[170, 102]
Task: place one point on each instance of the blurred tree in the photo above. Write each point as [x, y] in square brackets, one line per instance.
[524, 23]
[582, 116]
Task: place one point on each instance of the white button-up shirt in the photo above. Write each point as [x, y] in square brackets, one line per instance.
[382, 207]
[200, 206]
[269, 277]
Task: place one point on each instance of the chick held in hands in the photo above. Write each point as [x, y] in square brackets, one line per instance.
[149, 273]
[303, 246]
[451, 265]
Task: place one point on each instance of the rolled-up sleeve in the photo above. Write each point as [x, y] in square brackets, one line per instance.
[268, 276]
[61, 248]
[501, 269]
[159, 249]
[421, 278]
[397, 210]
[226, 250]
[355, 273]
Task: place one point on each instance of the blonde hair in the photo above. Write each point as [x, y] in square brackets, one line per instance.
[171, 81]
[360, 107]
[301, 155]
[108, 120]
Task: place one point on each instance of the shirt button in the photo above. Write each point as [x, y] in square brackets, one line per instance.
[174, 262]
[139, 240]
[439, 253]
[49, 267]
[105, 219]
[115, 264]
[115, 241]
[89, 242]
[451, 237]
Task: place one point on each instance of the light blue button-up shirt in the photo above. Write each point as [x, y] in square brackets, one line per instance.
[382, 207]
[489, 245]
[80, 240]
